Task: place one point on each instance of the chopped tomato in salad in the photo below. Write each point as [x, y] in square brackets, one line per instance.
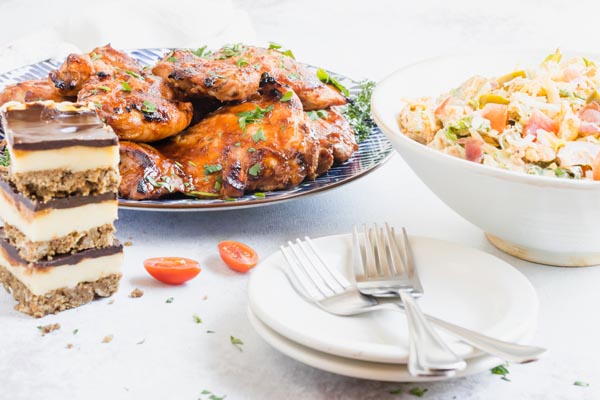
[543, 121]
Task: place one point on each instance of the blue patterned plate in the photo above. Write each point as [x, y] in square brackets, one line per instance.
[371, 153]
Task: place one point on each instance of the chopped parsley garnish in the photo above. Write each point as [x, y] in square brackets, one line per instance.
[259, 135]
[236, 342]
[237, 144]
[231, 51]
[241, 62]
[97, 104]
[202, 52]
[251, 149]
[250, 117]
[96, 56]
[148, 107]
[169, 300]
[125, 86]
[358, 111]
[218, 183]
[396, 391]
[193, 164]
[501, 370]
[330, 80]
[293, 76]
[196, 193]
[417, 391]
[255, 169]
[314, 115]
[212, 168]
[581, 384]
[104, 87]
[260, 195]
[278, 47]
[5, 158]
[197, 319]
[256, 66]
[172, 59]
[134, 74]
[286, 97]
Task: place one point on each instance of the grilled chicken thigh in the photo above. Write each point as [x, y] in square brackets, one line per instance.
[39, 89]
[137, 105]
[233, 73]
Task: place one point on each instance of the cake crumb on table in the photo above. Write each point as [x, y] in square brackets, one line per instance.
[135, 293]
[128, 243]
[69, 345]
[107, 339]
[48, 328]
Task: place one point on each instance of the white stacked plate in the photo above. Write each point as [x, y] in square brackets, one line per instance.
[462, 285]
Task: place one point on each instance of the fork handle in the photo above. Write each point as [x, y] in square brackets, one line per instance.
[507, 351]
[428, 354]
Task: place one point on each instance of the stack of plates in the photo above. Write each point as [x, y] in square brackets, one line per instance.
[462, 285]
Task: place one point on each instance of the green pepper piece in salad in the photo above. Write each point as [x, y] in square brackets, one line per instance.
[509, 77]
[492, 98]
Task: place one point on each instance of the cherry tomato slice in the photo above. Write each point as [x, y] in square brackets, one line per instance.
[172, 270]
[237, 256]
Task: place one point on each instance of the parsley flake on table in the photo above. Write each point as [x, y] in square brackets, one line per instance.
[250, 117]
[259, 135]
[417, 391]
[169, 300]
[501, 370]
[148, 107]
[581, 384]
[75, 331]
[396, 391]
[211, 395]
[197, 319]
[330, 80]
[255, 169]
[236, 342]
[125, 87]
[286, 97]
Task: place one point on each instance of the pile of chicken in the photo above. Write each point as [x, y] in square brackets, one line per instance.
[206, 125]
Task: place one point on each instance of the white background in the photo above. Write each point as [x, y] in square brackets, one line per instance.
[178, 359]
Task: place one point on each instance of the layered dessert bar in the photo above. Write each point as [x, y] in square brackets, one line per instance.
[59, 150]
[58, 201]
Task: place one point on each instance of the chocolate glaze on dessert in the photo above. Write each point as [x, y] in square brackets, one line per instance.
[55, 203]
[12, 253]
[48, 126]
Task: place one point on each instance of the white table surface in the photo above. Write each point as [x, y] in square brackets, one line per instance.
[178, 358]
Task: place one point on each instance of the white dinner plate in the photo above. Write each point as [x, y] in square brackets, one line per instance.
[364, 369]
[462, 285]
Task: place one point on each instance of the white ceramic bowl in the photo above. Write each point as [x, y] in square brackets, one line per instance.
[542, 219]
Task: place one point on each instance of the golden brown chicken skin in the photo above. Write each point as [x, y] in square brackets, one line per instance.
[337, 141]
[137, 108]
[313, 93]
[102, 62]
[195, 77]
[146, 173]
[262, 144]
[33, 90]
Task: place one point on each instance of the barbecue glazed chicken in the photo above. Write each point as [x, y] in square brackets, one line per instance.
[137, 105]
[39, 89]
[233, 73]
[261, 144]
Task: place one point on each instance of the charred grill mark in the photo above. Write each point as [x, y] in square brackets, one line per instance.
[265, 79]
[233, 176]
[102, 75]
[176, 75]
[209, 82]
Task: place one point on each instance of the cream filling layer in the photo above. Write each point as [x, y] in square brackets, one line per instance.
[42, 281]
[51, 224]
[75, 158]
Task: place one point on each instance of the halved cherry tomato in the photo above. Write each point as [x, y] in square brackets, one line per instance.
[237, 256]
[172, 270]
[497, 114]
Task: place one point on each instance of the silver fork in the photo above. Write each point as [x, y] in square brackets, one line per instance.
[333, 292]
[381, 272]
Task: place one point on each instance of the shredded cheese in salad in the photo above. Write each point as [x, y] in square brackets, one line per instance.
[541, 121]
